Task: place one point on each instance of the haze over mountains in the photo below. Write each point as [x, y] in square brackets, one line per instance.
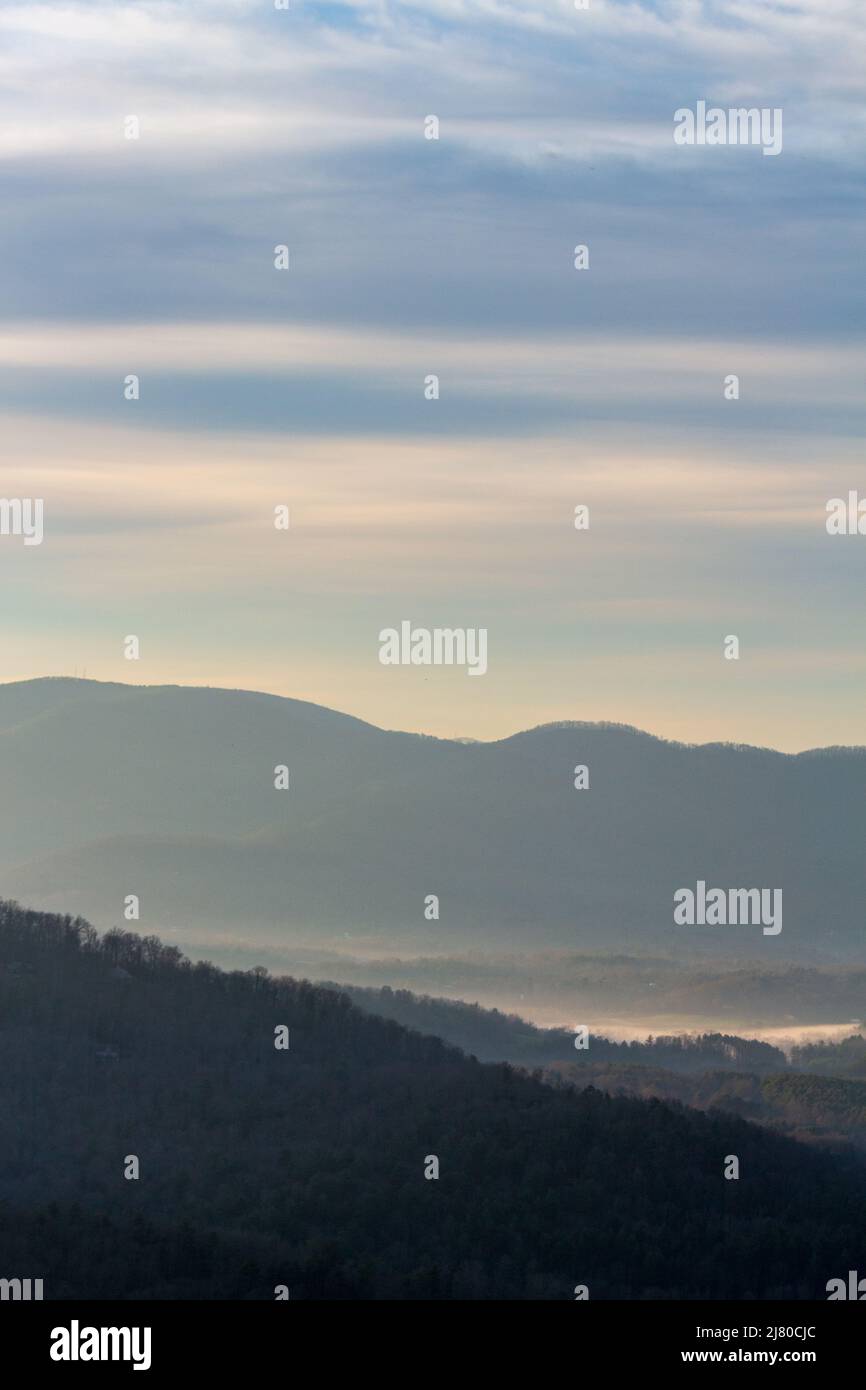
[168, 793]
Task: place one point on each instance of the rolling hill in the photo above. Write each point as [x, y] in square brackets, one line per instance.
[305, 1166]
[168, 793]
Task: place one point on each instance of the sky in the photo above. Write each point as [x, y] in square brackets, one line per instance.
[602, 387]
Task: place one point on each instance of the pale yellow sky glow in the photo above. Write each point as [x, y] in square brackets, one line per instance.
[158, 155]
[595, 365]
[169, 535]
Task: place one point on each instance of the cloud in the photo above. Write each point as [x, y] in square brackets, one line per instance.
[306, 126]
[452, 257]
[314, 379]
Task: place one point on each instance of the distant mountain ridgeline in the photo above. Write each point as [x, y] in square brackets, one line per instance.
[492, 1036]
[304, 1166]
[818, 1096]
[845, 1059]
[816, 1109]
[733, 996]
[169, 793]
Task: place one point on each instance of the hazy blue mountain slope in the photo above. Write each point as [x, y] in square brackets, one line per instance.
[168, 793]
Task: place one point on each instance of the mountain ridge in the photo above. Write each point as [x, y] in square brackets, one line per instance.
[583, 724]
[168, 793]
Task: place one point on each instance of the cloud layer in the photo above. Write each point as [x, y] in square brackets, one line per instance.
[305, 127]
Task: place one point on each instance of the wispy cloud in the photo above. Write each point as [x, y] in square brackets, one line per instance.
[455, 257]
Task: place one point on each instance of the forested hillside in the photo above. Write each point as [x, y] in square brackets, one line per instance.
[493, 1036]
[306, 1166]
[818, 1097]
[825, 1110]
[845, 1058]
